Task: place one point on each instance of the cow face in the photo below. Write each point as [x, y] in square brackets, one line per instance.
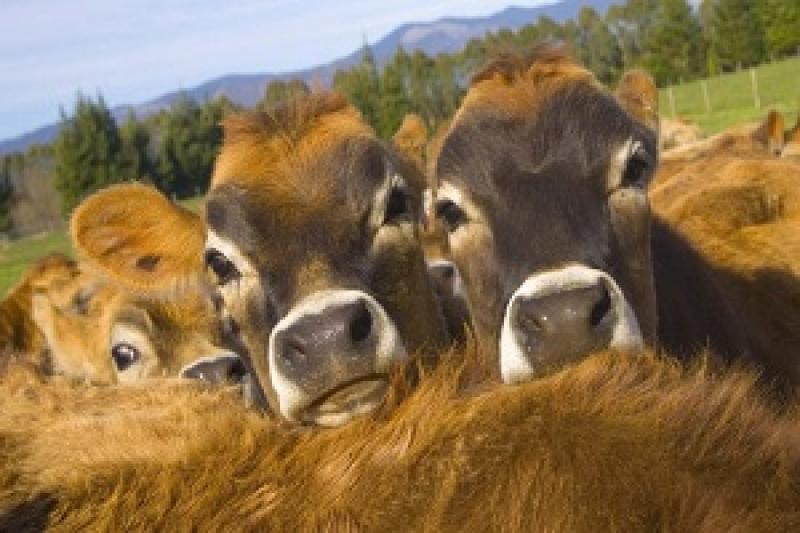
[313, 245]
[542, 188]
[103, 333]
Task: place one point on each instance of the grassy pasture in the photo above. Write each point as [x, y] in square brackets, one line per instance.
[731, 96]
[16, 256]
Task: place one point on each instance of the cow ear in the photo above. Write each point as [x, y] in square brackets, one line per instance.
[638, 95]
[411, 138]
[135, 235]
[771, 132]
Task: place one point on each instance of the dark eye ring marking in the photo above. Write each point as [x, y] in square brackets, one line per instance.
[222, 267]
[450, 214]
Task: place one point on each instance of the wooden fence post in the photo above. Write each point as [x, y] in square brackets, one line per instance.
[706, 97]
[756, 97]
[671, 100]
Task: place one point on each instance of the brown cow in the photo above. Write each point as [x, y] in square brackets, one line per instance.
[750, 141]
[744, 219]
[412, 138]
[123, 337]
[791, 147]
[627, 444]
[311, 237]
[19, 335]
[67, 320]
[542, 186]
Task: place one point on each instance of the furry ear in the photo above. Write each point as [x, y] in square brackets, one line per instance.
[137, 236]
[411, 138]
[638, 95]
[771, 132]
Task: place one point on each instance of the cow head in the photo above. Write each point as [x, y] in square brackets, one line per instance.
[542, 184]
[132, 328]
[311, 244]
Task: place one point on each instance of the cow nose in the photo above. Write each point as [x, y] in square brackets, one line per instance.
[559, 327]
[442, 271]
[216, 370]
[318, 348]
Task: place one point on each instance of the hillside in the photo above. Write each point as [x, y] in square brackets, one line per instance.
[448, 34]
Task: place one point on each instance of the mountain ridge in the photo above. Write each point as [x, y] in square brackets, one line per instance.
[444, 35]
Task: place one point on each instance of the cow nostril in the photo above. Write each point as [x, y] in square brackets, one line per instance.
[529, 321]
[293, 354]
[361, 326]
[236, 371]
[601, 308]
[448, 271]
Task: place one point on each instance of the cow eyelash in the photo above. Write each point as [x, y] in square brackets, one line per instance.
[222, 267]
[450, 214]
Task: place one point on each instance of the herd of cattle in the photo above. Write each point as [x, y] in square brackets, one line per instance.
[538, 319]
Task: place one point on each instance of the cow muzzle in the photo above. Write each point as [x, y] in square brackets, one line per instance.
[560, 316]
[330, 357]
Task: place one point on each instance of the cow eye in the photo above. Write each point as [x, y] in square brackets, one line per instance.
[124, 355]
[397, 206]
[636, 171]
[450, 214]
[221, 266]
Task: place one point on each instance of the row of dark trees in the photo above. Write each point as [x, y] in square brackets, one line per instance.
[175, 149]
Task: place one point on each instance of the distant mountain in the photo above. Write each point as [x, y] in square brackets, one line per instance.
[448, 34]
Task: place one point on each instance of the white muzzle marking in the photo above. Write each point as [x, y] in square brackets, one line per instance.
[515, 367]
[291, 398]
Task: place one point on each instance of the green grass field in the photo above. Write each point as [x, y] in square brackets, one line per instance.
[16, 256]
[731, 96]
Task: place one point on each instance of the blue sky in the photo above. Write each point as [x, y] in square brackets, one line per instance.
[132, 51]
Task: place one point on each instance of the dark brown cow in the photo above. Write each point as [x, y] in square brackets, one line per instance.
[311, 238]
[543, 187]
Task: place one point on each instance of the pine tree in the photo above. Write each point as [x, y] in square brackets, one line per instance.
[190, 138]
[673, 48]
[737, 35]
[86, 151]
[597, 48]
[279, 92]
[6, 193]
[361, 84]
[134, 161]
[394, 101]
[780, 20]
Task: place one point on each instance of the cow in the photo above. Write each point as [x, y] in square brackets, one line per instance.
[677, 132]
[70, 321]
[20, 338]
[124, 337]
[543, 182]
[750, 141]
[311, 240]
[743, 219]
[412, 138]
[629, 444]
[791, 147]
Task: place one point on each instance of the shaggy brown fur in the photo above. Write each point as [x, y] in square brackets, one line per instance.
[615, 443]
[745, 220]
[19, 335]
[749, 141]
[677, 132]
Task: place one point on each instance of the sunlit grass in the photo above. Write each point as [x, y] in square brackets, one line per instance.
[731, 96]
